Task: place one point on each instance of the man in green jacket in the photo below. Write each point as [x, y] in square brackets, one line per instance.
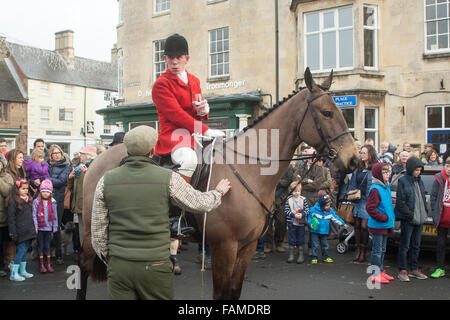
[130, 219]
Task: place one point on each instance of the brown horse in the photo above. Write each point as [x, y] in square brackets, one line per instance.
[233, 229]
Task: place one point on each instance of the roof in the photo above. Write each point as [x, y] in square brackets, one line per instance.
[9, 90]
[47, 65]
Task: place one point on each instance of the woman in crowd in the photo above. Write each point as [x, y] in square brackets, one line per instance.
[362, 180]
[6, 183]
[15, 165]
[58, 169]
[432, 158]
[75, 184]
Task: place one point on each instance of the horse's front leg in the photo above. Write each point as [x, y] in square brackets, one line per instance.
[242, 261]
[223, 256]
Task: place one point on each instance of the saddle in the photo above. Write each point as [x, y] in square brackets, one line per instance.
[179, 222]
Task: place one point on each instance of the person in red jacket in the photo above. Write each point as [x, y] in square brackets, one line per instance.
[181, 108]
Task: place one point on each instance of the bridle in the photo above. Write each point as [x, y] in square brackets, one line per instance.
[332, 153]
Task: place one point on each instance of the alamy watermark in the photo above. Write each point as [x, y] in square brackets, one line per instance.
[260, 146]
[74, 280]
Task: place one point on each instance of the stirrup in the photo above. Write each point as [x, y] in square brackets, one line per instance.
[178, 228]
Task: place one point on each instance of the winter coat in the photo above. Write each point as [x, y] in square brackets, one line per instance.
[6, 183]
[405, 202]
[310, 190]
[20, 222]
[49, 225]
[173, 100]
[59, 172]
[324, 219]
[437, 196]
[36, 170]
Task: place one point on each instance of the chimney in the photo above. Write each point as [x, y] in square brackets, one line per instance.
[64, 46]
[4, 52]
[114, 54]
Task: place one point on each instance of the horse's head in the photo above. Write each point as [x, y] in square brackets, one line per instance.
[324, 127]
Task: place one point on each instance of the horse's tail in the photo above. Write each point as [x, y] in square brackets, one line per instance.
[98, 272]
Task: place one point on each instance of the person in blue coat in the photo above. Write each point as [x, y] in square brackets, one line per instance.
[319, 222]
[381, 219]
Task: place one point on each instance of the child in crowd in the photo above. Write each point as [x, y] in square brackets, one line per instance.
[386, 156]
[46, 222]
[381, 218]
[21, 228]
[37, 169]
[297, 210]
[411, 210]
[319, 222]
[440, 207]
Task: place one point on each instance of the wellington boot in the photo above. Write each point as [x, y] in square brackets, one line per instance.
[49, 265]
[358, 253]
[15, 276]
[42, 268]
[23, 270]
[291, 254]
[362, 257]
[301, 257]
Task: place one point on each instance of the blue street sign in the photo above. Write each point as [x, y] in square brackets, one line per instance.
[345, 101]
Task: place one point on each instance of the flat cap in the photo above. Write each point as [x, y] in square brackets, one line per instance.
[140, 140]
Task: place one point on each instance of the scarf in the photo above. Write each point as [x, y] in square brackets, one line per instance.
[41, 212]
[77, 172]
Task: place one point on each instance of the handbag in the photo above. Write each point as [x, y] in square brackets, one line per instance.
[355, 194]
[345, 212]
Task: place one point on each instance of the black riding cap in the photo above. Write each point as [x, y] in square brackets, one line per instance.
[176, 45]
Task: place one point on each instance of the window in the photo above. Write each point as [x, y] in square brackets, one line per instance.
[68, 119]
[162, 6]
[120, 11]
[219, 52]
[437, 19]
[160, 65]
[329, 39]
[438, 127]
[371, 125]
[349, 116]
[370, 37]
[44, 89]
[106, 96]
[4, 112]
[68, 91]
[45, 118]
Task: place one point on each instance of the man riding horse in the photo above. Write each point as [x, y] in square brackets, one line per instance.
[179, 117]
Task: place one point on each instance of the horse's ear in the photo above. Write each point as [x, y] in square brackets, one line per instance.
[327, 83]
[309, 81]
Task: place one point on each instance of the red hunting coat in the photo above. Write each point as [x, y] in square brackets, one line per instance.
[173, 100]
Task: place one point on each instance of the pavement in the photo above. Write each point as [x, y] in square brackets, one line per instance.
[268, 279]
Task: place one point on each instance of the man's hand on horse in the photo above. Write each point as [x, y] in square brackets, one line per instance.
[223, 186]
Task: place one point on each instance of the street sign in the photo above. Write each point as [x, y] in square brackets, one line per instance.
[345, 101]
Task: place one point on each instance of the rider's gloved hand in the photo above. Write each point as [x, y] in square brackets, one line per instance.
[214, 133]
[202, 108]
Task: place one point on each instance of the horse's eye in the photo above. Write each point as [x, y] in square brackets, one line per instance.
[328, 114]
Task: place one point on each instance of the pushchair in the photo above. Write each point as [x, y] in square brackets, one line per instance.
[346, 239]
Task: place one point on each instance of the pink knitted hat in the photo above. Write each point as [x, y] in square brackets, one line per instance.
[46, 185]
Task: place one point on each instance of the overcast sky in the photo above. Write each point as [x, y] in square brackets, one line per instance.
[34, 23]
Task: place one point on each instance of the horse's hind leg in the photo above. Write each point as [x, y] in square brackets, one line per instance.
[223, 256]
[243, 259]
[84, 275]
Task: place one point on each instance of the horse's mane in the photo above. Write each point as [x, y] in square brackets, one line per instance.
[265, 114]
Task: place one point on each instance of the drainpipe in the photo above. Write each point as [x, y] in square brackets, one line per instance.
[84, 124]
[277, 88]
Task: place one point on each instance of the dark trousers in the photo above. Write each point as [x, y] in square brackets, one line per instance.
[261, 244]
[57, 238]
[409, 248]
[3, 239]
[296, 235]
[21, 254]
[44, 239]
[317, 239]
[441, 247]
[379, 242]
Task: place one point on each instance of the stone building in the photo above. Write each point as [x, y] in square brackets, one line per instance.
[63, 92]
[390, 60]
[13, 102]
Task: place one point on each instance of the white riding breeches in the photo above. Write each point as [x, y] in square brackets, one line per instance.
[187, 159]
